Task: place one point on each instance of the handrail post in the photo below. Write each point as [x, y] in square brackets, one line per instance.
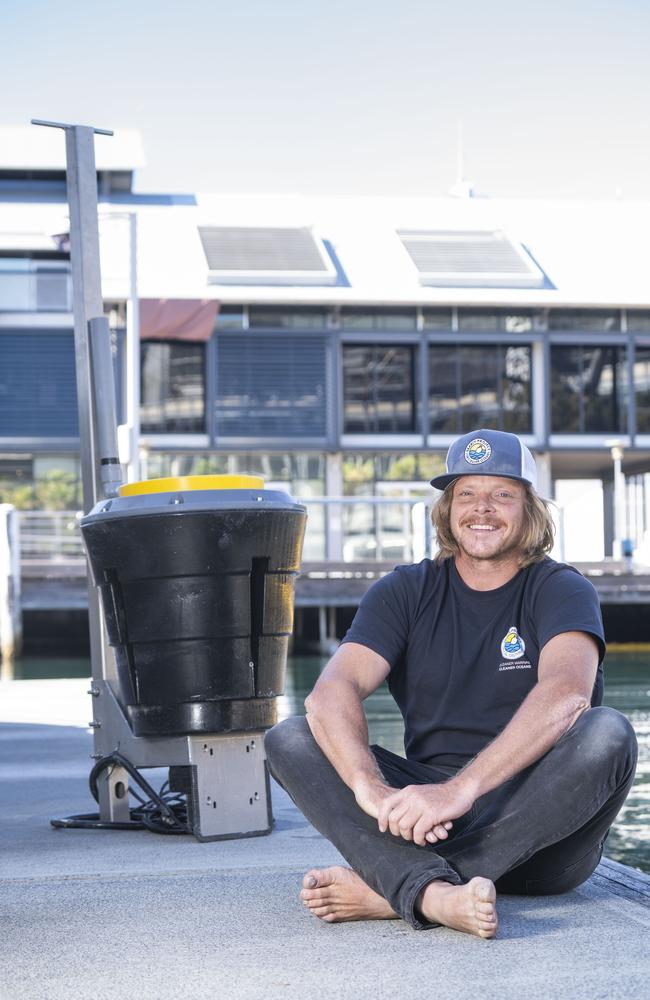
[11, 632]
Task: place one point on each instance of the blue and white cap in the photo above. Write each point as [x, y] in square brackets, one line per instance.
[488, 453]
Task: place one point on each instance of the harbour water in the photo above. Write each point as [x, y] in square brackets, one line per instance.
[627, 688]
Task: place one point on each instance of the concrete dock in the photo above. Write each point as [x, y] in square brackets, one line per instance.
[121, 915]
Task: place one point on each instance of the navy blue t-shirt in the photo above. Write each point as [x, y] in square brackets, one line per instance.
[463, 660]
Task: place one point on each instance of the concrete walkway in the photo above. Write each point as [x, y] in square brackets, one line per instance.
[91, 915]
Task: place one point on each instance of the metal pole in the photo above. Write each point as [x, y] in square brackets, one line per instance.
[103, 387]
[619, 501]
[81, 176]
[10, 615]
[133, 355]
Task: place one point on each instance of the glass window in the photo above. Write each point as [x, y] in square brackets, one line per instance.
[642, 389]
[230, 317]
[116, 312]
[519, 322]
[35, 285]
[378, 388]
[479, 401]
[436, 319]
[515, 390]
[587, 320]
[588, 390]
[444, 389]
[479, 320]
[496, 320]
[385, 531]
[486, 385]
[300, 318]
[638, 320]
[358, 475]
[301, 474]
[172, 388]
[405, 468]
[271, 385]
[38, 387]
[18, 467]
[354, 318]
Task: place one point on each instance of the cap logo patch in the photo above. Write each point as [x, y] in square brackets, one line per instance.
[477, 451]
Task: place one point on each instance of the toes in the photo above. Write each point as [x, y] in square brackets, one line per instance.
[485, 909]
[315, 878]
[311, 879]
[484, 890]
[325, 913]
[317, 904]
[311, 894]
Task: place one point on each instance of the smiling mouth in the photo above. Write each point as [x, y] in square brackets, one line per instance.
[483, 527]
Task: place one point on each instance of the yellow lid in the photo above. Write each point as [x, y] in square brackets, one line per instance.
[181, 484]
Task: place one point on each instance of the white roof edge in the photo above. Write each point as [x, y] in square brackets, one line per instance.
[328, 296]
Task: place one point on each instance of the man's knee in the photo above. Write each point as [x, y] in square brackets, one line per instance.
[607, 735]
[288, 740]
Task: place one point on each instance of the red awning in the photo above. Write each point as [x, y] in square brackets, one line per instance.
[177, 319]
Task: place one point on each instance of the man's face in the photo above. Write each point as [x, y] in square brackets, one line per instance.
[487, 516]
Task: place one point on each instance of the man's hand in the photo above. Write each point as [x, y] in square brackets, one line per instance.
[423, 813]
[370, 792]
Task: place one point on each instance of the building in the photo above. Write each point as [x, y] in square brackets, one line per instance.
[334, 345]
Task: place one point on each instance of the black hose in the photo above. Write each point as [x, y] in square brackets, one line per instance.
[162, 812]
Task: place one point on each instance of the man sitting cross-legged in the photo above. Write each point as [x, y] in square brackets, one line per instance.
[514, 771]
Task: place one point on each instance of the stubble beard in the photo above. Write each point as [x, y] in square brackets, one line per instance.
[503, 553]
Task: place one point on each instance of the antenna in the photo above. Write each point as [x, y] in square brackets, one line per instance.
[460, 164]
[64, 125]
[461, 188]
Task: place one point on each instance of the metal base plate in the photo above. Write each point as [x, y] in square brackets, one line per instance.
[227, 785]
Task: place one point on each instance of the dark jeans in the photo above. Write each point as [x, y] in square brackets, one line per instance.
[541, 832]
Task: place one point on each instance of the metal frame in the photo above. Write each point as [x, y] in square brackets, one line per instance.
[225, 776]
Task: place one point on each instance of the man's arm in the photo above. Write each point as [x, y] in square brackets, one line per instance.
[337, 720]
[566, 675]
[338, 723]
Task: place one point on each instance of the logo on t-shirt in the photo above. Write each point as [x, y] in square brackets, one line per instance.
[512, 645]
[477, 451]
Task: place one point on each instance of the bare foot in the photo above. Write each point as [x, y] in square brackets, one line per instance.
[335, 894]
[470, 908]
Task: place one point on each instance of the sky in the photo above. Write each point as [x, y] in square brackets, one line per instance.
[347, 96]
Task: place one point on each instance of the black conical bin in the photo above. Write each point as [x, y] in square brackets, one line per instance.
[196, 581]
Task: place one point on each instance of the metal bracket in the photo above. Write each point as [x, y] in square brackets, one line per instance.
[224, 776]
[230, 794]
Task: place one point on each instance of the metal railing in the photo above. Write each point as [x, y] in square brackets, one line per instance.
[341, 529]
[50, 535]
[362, 529]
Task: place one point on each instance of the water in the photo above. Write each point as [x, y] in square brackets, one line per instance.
[627, 688]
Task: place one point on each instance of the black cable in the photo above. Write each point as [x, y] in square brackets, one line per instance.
[162, 812]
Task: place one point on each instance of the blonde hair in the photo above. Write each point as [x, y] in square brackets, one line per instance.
[539, 531]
